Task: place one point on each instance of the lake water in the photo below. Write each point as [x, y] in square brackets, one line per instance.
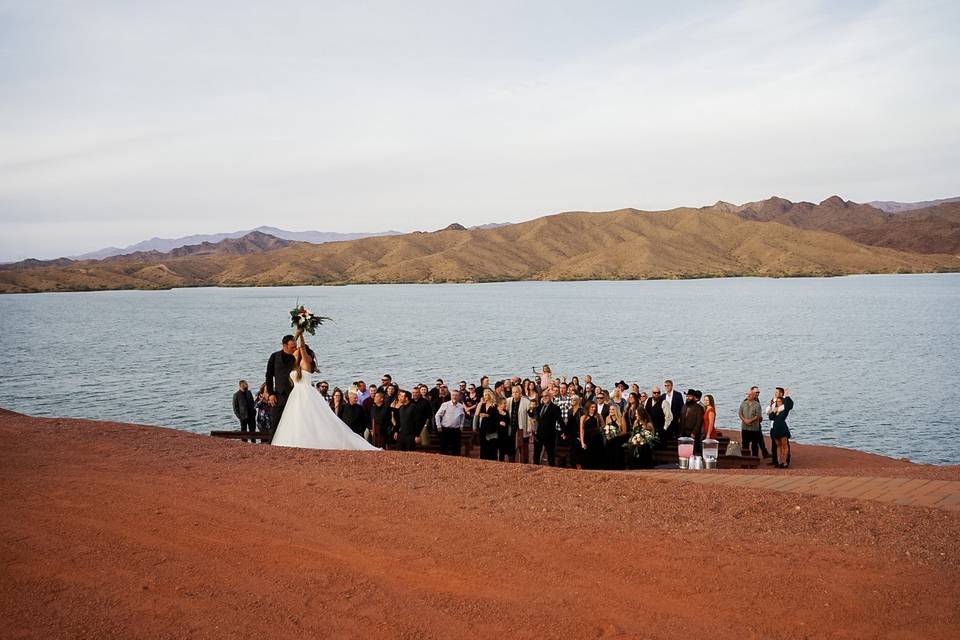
[873, 362]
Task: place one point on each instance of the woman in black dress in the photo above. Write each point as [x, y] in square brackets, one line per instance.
[571, 432]
[780, 432]
[506, 440]
[488, 423]
[591, 438]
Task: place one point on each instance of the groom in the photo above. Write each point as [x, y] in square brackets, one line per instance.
[279, 385]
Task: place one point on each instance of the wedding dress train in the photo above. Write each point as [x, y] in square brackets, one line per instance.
[309, 422]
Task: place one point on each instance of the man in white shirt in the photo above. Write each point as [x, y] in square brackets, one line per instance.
[449, 420]
[675, 399]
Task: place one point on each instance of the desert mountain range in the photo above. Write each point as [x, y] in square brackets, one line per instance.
[773, 237]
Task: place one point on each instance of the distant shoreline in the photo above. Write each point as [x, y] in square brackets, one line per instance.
[348, 283]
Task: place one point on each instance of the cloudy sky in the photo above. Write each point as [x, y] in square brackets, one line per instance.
[125, 120]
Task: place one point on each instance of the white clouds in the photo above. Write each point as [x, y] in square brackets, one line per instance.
[172, 118]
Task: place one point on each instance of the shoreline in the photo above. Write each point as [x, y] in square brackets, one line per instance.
[114, 530]
[348, 283]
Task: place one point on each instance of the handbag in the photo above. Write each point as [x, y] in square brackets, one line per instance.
[733, 448]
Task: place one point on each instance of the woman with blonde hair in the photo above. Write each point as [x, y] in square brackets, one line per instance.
[488, 420]
[546, 377]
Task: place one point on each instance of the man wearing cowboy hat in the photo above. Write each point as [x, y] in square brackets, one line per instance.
[691, 419]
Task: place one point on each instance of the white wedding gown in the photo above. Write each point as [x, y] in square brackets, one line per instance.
[309, 422]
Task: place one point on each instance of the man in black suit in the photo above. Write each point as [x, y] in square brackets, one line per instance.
[408, 424]
[353, 415]
[654, 408]
[279, 384]
[676, 407]
[243, 408]
[548, 423]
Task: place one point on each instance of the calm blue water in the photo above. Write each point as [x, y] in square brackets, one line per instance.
[873, 361]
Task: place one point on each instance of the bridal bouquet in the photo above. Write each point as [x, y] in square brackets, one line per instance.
[303, 318]
[638, 440]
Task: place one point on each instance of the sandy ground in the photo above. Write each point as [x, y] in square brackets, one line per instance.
[121, 531]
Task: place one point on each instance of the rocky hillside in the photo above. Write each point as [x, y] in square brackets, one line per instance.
[768, 239]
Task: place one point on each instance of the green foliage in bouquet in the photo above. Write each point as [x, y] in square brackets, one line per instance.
[303, 318]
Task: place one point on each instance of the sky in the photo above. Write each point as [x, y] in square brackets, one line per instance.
[121, 121]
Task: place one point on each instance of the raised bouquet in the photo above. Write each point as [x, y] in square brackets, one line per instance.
[303, 318]
[638, 440]
[611, 431]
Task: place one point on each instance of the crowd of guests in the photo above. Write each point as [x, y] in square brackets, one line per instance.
[525, 419]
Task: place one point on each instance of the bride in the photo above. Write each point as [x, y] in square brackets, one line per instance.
[308, 421]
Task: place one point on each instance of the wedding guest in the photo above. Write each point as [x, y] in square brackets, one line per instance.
[385, 381]
[443, 395]
[562, 400]
[324, 388]
[507, 442]
[612, 445]
[571, 432]
[262, 406]
[617, 399]
[675, 399]
[546, 377]
[548, 424]
[659, 411]
[352, 415]
[434, 394]
[709, 418]
[471, 398]
[575, 385]
[751, 433]
[337, 402]
[484, 384]
[488, 426]
[691, 420]
[462, 387]
[362, 393]
[635, 388]
[380, 421]
[406, 429]
[517, 407]
[591, 438]
[279, 385]
[779, 393]
[635, 416]
[243, 408]
[780, 432]
[424, 412]
[589, 394]
[449, 419]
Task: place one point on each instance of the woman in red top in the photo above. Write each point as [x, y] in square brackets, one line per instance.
[709, 418]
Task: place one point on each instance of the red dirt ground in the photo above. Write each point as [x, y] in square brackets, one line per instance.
[122, 531]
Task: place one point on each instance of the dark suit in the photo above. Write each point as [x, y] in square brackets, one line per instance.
[655, 411]
[676, 408]
[548, 423]
[408, 427]
[691, 423]
[279, 367]
[243, 408]
[353, 416]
